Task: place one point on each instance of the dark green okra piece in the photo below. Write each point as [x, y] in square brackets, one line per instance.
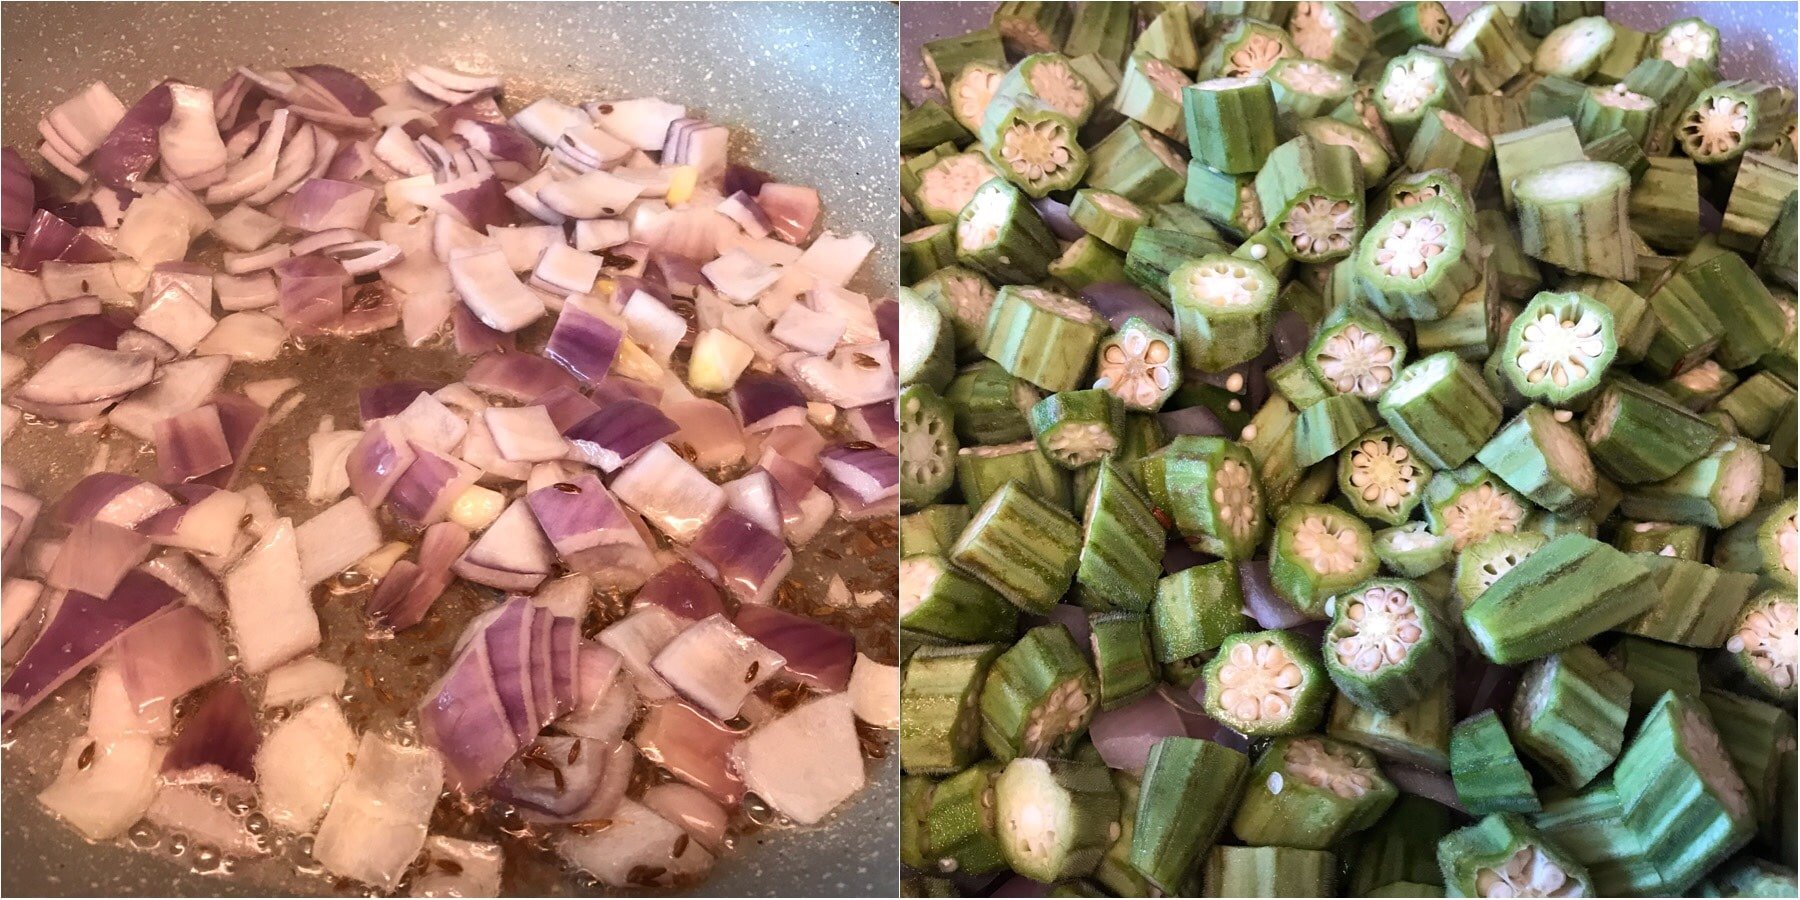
[1757, 404]
[958, 824]
[1138, 164]
[1549, 142]
[1731, 117]
[1150, 92]
[980, 471]
[1747, 876]
[1483, 562]
[1569, 590]
[932, 529]
[926, 250]
[1045, 80]
[1306, 88]
[1589, 827]
[991, 405]
[1054, 818]
[1311, 792]
[1717, 490]
[1077, 428]
[1330, 425]
[1502, 853]
[1576, 215]
[1042, 336]
[1639, 435]
[1664, 538]
[1407, 25]
[1371, 153]
[1559, 348]
[1680, 793]
[1108, 216]
[1418, 735]
[1411, 550]
[1442, 409]
[1418, 261]
[1114, 871]
[1410, 86]
[1247, 47]
[1000, 235]
[940, 726]
[1759, 737]
[1188, 791]
[1569, 714]
[1216, 496]
[1156, 253]
[946, 57]
[1102, 29]
[1039, 696]
[1543, 459]
[1401, 850]
[940, 600]
[1696, 604]
[1195, 610]
[1655, 668]
[1224, 307]
[1230, 123]
[929, 124]
[1032, 26]
[1121, 545]
[1485, 768]
[966, 298]
[1268, 872]
[1331, 33]
[947, 184]
[1021, 546]
[1229, 202]
[1266, 684]
[1124, 662]
[1381, 477]
[1170, 37]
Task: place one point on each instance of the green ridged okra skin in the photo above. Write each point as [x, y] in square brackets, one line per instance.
[1311, 792]
[1681, 794]
[980, 471]
[1638, 435]
[1224, 308]
[928, 446]
[1195, 610]
[1021, 546]
[1543, 459]
[1759, 737]
[1503, 851]
[1269, 872]
[1569, 714]
[1442, 409]
[1038, 697]
[940, 724]
[933, 529]
[1571, 589]
[1401, 850]
[1589, 827]
[1696, 604]
[1418, 735]
[1189, 788]
[1418, 261]
[1042, 337]
[1387, 645]
[1486, 769]
[959, 822]
[990, 404]
[1124, 662]
[1717, 490]
[1230, 123]
[938, 599]
[1215, 495]
[1121, 546]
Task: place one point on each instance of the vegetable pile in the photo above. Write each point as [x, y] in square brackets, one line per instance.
[667, 391]
[1347, 457]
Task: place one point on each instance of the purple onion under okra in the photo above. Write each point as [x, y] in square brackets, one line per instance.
[1532, 421]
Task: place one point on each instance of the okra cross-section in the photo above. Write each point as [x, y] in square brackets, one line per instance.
[1356, 355]
[1411, 85]
[1138, 364]
[1386, 646]
[1418, 261]
[1216, 498]
[1312, 196]
[1568, 591]
[1042, 336]
[1039, 696]
[1034, 147]
[928, 446]
[1381, 477]
[1021, 546]
[1266, 684]
[1469, 503]
[1224, 307]
[999, 235]
[1503, 856]
[1055, 818]
[1761, 648]
[1311, 792]
[1319, 551]
[1729, 118]
[1078, 428]
[1559, 347]
[1047, 80]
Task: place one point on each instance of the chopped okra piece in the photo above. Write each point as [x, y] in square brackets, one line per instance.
[1102, 29]
[1139, 365]
[1042, 336]
[1266, 684]
[1408, 25]
[1246, 50]
[932, 529]
[1412, 550]
[1039, 696]
[1748, 877]
[1044, 80]
[927, 344]
[1618, 148]
[1216, 495]
[1417, 261]
[940, 600]
[1386, 646]
[1412, 85]
[1760, 740]
[1115, 872]
[1731, 117]
[971, 91]
[1034, 147]
[1268, 872]
[1471, 327]
[1108, 216]
[946, 57]
[1170, 38]
[1370, 151]
[1757, 404]
[1503, 856]
[1311, 194]
[1687, 43]
[926, 250]
[1604, 109]
[1633, 324]
[1001, 236]
[1317, 552]
[1763, 184]
[1717, 490]
[1087, 261]
[1292, 379]
[1469, 503]
[1778, 543]
[1311, 792]
[1124, 663]
[1195, 610]
[940, 725]
[1680, 793]
[1655, 668]
[1760, 650]
[1021, 546]
[1189, 789]
[947, 185]
[1121, 545]
[991, 406]
[1442, 409]
[1305, 88]
[1751, 321]
[1663, 539]
[1447, 141]
[1227, 201]
[1417, 735]
[981, 471]
[1565, 592]
[1355, 354]
[1517, 153]
[1032, 26]
[927, 446]
[1559, 348]
[1330, 32]
[1156, 253]
[1588, 827]
[1696, 604]
[1076, 428]
[1577, 215]
[966, 298]
[1224, 307]
[1776, 260]
[1569, 714]
[958, 833]
[1490, 42]
[1138, 164]
[1230, 123]
[1055, 818]
[1543, 459]
[1398, 856]
[1574, 49]
[1483, 562]
[1486, 770]
[1150, 91]
[928, 125]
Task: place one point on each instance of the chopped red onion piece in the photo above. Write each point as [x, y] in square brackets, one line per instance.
[693, 747]
[497, 141]
[377, 461]
[254, 172]
[18, 191]
[104, 785]
[428, 423]
[855, 375]
[336, 539]
[835, 259]
[590, 195]
[556, 776]
[207, 526]
[192, 151]
[583, 343]
[389, 398]
[272, 614]
[50, 238]
[170, 655]
[473, 870]
[521, 377]
[322, 204]
[344, 90]
[130, 149]
[591, 533]
[619, 433]
[486, 283]
[669, 492]
[683, 590]
[875, 423]
[716, 666]
[112, 497]
[636, 850]
[481, 202]
[740, 276]
[818, 654]
[708, 430]
[95, 557]
[763, 402]
[512, 554]
[697, 143]
[804, 328]
[191, 444]
[474, 338]
[869, 473]
[81, 628]
[21, 512]
[792, 209]
[508, 639]
[756, 496]
[1125, 735]
[1118, 301]
[396, 148]
[425, 491]
[524, 245]
[463, 718]
[806, 762]
[101, 332]
[243, 420]
[81, 123]
[642, 122]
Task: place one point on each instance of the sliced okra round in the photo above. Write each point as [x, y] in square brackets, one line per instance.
[1680, 793]
[940, 725]
[1778, 541]
[1447, 141]
[1407, 25]
[1442, 409]
[1418, 261]
[932, 529]
[1412, 550]
[1086, 261]
[1042, 336]
[1607, 108]
[1108, 216]
[940, 600]
[927, 446]
[1266, 684]
[1224, 307]
[1687, 43]
[958, 829]
[1484, 561]
[1311, 792]
[1055, 819]
[972, 90]
[1637, 435]
[1569, 714]
[991, 405]
[1319, 551]
[1761, 647]
[1718, 490]
[1414, 188]
[1410, 85]
[1039, 696]
[1216, 497]
[1544, 459]
[1489, 40]
[1577, 215]
[1247, 48]
[1468, 503]
[1035, 148]
[1574, 49]
[927, 343]
[966, 297]
[1503, 856]
[1729, 118]
[1312, 196]
[1331, 33]
[1150, 91]
[1386, 646]
[926, 250]
[1418, 735]
[1356, 354]
[1370, 152]
[1076, 428]
[1032, 26]
[1305, 88]
[1230, 122]
[999, 235]
[1046, 80]
[1170, 37]
[946, 186]
[1381, 477]
[1665, 539]
[1139, 365]
[1195, 610]
[982, 470]
[1559, 348]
